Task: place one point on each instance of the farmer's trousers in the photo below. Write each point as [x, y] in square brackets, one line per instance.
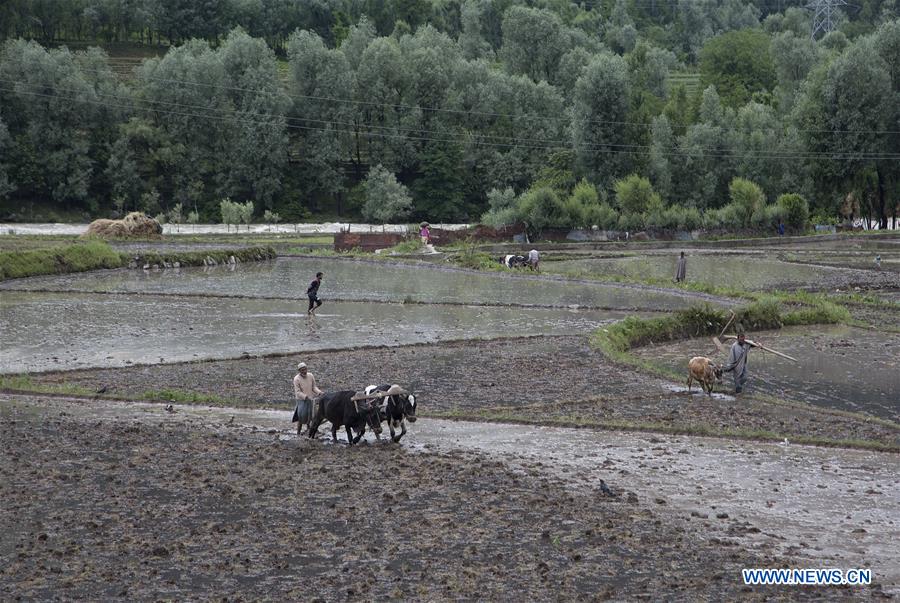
[740, 379]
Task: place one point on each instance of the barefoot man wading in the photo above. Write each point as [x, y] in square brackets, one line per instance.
[312, 292]
[305, 391]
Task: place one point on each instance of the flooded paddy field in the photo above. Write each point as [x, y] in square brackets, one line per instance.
[353, 280]
[750, 271]
[838, 367]
[140, 503]
[44, 331]
[545, 380]
[107, 498]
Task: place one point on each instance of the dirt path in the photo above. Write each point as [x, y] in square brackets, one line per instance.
[105, 500]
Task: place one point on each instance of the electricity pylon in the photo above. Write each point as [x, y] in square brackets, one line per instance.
[823, 15]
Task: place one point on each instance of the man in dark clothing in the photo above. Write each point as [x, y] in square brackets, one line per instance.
[737, 362]
[312, 292]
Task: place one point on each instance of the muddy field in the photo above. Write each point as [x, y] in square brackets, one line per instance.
[550, 379]
[99, 509]
[837, 367]
[117, 497]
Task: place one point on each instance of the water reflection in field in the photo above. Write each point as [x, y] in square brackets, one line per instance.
[740, 271]
[363, 281]
[44, 331]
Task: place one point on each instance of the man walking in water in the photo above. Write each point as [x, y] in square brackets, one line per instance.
[737, 362]
[312, 292]
[681, 269]
[305, 390]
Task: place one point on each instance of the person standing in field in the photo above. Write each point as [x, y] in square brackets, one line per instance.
[305, 391]
[737, 362]
[425, 233]
[312, 292]
[681, 269]
[534, 259]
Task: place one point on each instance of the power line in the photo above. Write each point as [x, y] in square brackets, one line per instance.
[514, 140]
[473, 112]
[608, 149]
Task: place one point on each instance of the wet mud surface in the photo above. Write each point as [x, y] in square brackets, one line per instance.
[46, 331]
[551, 379]
[99, 507]
[368, 280]
[749, 271]
[838, 367]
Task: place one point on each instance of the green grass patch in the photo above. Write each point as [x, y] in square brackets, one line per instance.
[77, 257]
[408, 246]
[24, 383]
[186, 397]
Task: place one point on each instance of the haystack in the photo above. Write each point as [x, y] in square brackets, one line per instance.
[135, 225]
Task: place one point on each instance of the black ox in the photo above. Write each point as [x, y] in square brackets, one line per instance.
[341, 409]
[395, 409]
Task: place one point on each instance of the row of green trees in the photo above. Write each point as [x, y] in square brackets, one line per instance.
[450, 120]
[637, 206]
[480, 25]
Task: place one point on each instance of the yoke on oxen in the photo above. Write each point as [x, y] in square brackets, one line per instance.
[395, 390]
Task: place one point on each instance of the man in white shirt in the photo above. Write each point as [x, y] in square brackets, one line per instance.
[305, 390]
[534, 258]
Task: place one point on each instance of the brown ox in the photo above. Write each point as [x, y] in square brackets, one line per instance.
[705, 372]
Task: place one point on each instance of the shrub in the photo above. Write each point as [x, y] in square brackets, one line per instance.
[635, 195]
[655, 218]
[767, 217]
[601, 215]
[501, 217]
[795, 210]
[687, 218]
[747, 197]
[541, 208]
[631, 222]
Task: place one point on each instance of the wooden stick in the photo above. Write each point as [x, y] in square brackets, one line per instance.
[716, 341]
[762, 347]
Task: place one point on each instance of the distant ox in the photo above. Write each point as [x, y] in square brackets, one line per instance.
[514, 261]
[395, 409]
[705, 372]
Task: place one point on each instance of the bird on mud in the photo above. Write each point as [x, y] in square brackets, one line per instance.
[103, 390]
[604, 489]
[170, 408]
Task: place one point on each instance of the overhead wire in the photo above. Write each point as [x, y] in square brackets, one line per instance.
[468, 111]
[234, 116]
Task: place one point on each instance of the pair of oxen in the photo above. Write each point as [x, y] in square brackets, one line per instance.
[355, 411]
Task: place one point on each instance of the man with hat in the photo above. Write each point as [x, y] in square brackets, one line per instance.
[305, 390]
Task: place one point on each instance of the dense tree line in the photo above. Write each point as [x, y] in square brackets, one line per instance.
[554, 112]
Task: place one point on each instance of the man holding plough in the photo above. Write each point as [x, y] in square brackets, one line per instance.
[305, 391]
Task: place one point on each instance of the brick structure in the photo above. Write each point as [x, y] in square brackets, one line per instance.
[366, 241]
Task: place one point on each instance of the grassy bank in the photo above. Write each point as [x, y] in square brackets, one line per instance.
[200, 258]
[77, 257]
[94, 255]
[768, 312]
